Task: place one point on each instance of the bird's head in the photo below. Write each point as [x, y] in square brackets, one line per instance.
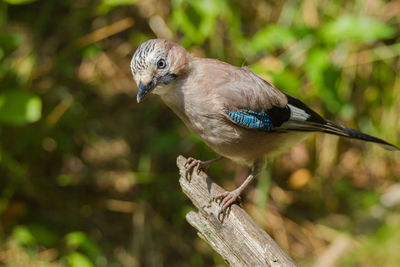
[156, 63]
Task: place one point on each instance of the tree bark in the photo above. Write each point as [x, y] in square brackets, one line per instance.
[236, 237]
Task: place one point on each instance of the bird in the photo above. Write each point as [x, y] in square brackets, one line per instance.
[237, 113]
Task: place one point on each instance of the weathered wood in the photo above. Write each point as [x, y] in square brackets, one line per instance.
[238, 239]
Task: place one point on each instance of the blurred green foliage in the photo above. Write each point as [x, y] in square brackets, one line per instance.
[88, 177]
[19, 107]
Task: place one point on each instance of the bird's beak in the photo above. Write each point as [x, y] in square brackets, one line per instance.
[144, 90]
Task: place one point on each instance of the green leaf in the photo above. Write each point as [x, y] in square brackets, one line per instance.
[356, 28]
[19, 108]
[107, 5]
[23, 235]
[196, 19]
[34, 234]
[91, 51]
[287, 81]
[324, 78]
[77, 259]
[43, 235]
[271, 37]
[118, 2]
[19, 2]
[82, 241]
[10, 41]
[316, 63]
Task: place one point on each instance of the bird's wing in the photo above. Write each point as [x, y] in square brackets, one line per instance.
[239, 88]
[250, 101]
[293, 116]
[265, 108]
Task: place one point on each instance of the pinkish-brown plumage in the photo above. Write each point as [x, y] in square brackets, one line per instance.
[237, 113]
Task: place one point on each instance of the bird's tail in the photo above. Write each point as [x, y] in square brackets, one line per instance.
[304, 119]
[333, 128]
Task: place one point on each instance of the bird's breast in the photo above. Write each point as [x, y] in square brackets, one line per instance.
[211, 128]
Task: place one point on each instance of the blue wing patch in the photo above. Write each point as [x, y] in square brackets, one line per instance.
[251, 119]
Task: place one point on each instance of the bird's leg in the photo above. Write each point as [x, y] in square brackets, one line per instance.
[201, 165]
[228, 198]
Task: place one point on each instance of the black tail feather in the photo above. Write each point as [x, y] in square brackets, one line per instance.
[333, 128]
[315, 123]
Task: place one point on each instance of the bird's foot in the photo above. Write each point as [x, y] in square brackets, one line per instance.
[191, 163]
[227, 199]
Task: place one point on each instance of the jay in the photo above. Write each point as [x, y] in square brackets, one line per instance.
[237, 113]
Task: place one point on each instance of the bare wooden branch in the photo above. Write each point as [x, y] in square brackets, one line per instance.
[238, 239]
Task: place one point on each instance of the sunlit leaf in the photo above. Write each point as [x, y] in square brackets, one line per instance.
[19, 2]
[196, 19]
[271, 37]
[287, 81]
[324, 78]
[23, 235]
[34, 234]
[118, 2]
[356, 28]
[18, 107]
[107, 5]
[77, 259]
[82, 240]
[317, 61]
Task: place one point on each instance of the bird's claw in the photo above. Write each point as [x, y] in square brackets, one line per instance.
[191, 163]
[226, 200]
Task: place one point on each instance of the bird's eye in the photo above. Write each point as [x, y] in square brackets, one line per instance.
[161, 64]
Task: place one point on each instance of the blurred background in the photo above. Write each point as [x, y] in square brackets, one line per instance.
[88, 176]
